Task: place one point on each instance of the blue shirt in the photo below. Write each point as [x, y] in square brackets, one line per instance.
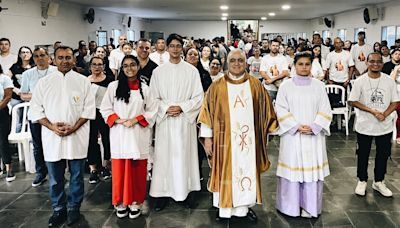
[5, 83]
[31, 77]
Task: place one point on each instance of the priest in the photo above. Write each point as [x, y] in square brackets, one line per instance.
[236, 116]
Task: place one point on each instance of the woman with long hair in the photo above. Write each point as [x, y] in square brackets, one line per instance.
[129, 111]
[318, 63]
[24, 62]
[100, 82]
[205, 57]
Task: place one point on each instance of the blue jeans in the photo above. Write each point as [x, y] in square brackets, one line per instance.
[57, 192]
[36, 131]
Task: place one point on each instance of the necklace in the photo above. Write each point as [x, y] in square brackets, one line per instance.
[41, 75]
[370, 85]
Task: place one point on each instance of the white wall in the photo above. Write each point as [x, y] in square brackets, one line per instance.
[354, 19]
[286, 26]
[22, 24]
[197, 29]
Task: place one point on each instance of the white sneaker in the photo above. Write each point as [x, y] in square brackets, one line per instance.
[134, 211]
[381, 188]
[121, 211]
[305, 214]
[361, 187]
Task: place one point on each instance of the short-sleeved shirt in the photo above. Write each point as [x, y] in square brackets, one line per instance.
[31, 77]
[375, 93]
[5, 83]
[338, 65]
[269, 64]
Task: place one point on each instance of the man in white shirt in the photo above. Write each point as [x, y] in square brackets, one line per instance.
[359, 53]
[6, 58]
[339, 65]
[29, 80]
[374, 94]
[117, 55]
[160, 56]
[63, 103]
[274, 68]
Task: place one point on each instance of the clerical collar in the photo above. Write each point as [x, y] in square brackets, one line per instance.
[302, 81]
[234, 77]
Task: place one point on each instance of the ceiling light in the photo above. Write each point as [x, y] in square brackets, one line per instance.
[224, 7]
[264, 18]
[224, 18]
[286, 7]
[224, 14]
[272, 14]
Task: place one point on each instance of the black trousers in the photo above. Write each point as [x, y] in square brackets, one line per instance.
[94, 154]
[383, 149]
[5, 128]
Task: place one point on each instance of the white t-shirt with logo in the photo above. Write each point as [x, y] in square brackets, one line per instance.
[338, 65]
[254, 66]
[375, 93]
[269, 64]
[359, 55]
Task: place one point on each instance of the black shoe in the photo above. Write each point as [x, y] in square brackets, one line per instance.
[73, 217]
[94, 177]
[160, 204]
[10, 176]
[57, 218]
[251, 215]
[105, 173]
[39, 180]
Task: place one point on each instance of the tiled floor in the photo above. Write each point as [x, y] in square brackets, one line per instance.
[24, 206]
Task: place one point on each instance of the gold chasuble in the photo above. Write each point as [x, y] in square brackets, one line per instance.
[215, 114]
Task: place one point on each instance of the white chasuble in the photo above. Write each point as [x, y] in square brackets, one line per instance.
[243, 144]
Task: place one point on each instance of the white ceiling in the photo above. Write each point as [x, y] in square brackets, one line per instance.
[238, 9]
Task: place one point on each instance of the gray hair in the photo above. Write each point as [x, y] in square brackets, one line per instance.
[236, 50]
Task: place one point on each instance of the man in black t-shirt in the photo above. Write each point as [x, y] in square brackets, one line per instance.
[146, 64]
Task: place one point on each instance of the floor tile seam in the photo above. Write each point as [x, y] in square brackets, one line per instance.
[348, 217]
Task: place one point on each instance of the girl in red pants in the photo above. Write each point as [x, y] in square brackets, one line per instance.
[129, 111]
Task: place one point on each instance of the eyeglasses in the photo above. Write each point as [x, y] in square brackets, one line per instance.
[144, 48]
[375, 62]
[132, 65]
[25, 52]
[173, 46]
[97, 65]
[215, 64]
[241, 60]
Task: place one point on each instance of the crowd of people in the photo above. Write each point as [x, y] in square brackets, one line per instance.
[161, 110]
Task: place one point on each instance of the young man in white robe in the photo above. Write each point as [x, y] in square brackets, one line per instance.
[304, 116]
[236, 116]
[177, 88]
[63, 103]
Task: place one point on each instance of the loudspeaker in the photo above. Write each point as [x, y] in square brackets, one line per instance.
[125, 20]
[53, 9]
[129, 22]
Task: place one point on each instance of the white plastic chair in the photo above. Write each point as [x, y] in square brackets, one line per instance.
[337, 89]
[23, 138]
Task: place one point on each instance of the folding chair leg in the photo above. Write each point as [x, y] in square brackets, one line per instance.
[346, 119]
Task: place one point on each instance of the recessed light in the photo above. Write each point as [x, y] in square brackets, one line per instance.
[286, 7]
[224, 18]
[272, 14]
[224, 7]
[225, 14]
[264, 18]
